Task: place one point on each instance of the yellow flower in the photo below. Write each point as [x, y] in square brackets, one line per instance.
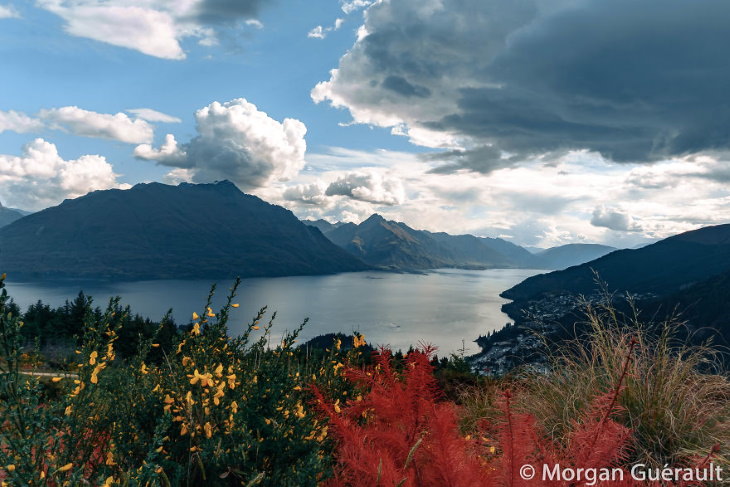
[186, 361]
[66, 467]
[10, 468]
[189, 398]
[204, 379]
[300, 411]
[110, 458]
[143, 369]
[92, 357]
[196, 329]
[358, 341]
[208, 430]
[235, 305]
[210, 313]
[183, 430]
[195, 315]
[255, 327]
[234, 407]
[231, 381]
[56, 379]
[109, 481]
[68, 410]
[219, 371]
[337, 406]
[338, 343]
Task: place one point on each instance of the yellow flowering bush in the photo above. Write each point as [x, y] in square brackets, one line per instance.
[208, 409]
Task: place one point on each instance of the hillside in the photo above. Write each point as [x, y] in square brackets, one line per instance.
[660, 269]
[160, 231]
[8, 215]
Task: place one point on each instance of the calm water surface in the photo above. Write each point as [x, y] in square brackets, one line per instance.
[442, 307]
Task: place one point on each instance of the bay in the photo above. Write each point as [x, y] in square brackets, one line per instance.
[441, 307]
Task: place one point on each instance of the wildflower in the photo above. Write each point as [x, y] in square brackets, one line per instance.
[219, 371]
[337, 406]
[204, 379]
[68, 410]
[92, 357]
[231, 381]
[208, 430]
[109, 481]
[195, 315]
[94, 379]
[210, 313]
[183, 430]
[300, 411]
[143, 369]
[66, 467]
[110, 458]
[255, 327]
[235, 305]
[189, 398]
[338, 343]
[337, 366]
[186, 361]
[56, 379]
[10, 468]
[196, 329]
[234, 407]
[358, 341]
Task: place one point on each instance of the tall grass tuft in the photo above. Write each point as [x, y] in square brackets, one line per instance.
[673, 400]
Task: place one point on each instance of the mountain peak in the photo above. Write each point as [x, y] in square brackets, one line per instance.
[374, 218]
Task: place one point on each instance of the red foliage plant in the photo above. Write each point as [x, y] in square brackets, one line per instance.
[399, 434]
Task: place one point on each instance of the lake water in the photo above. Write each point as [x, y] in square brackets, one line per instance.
[442, 307]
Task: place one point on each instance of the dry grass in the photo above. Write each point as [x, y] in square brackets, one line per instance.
[675, 400]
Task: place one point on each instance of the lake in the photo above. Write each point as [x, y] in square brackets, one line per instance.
[442, 307]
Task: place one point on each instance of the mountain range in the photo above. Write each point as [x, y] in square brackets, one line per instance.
[156, 231]
[686, 276]
[9, 215]
[396, 246]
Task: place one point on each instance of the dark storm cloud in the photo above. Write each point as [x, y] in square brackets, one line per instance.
[483, 159]
[636, 80]
[228, 11]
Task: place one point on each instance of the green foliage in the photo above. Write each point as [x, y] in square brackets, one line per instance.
[207, 409]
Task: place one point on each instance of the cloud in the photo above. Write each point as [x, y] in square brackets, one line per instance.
[86, 123]
[8, 12]
[369, 186]
[40, 177]
[636, 81]
[236, 141]
[320, 32]
[614, 219]
[151, 115]
[349, 6]
[152, 28]
[18, 122]
[309, 194]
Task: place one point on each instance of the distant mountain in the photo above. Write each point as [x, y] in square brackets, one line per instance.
[572, 254]
[396, 246]
[160, 231]
[659, 269]
[686, 275]
[9, 215]
[323, 225]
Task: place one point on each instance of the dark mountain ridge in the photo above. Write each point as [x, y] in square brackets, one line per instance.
[9, 215]
[156, 231]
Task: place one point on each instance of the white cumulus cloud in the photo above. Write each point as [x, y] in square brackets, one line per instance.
[151, 115]
[369, 185]
[92, 124]
[152, 27]
[614, 219]
[236, 141]
[18, 122]
[40, 177]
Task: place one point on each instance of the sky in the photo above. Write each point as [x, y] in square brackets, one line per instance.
[544, 122]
